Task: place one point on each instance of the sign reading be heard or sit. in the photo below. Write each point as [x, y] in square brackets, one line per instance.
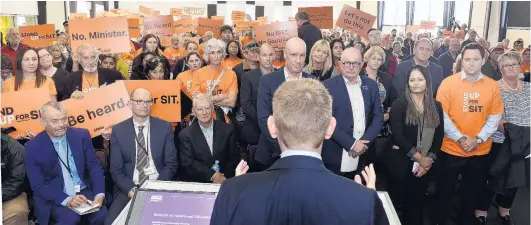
[109, 34]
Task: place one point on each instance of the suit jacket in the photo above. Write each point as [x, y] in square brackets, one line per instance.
[123, 153]
[447, 64]
[310, 34]
[343, 138]
[196, 158]
[248, 96]
[45, 173]
[75, 81]
[296, 190]
[400, 77]
[268, 148]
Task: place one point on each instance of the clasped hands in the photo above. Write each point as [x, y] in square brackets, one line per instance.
[359, 148]
[425, 164]
[468, 143]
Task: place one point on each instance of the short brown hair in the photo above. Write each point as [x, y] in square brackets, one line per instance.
[302, 110]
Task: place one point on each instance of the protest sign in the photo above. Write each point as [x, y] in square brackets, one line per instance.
[194, 11]
[162, 26]
[204, 25]
[109, 34]
[412, 28]
[134, 27]
[155, 13]
[217, 17]
[38, 36]
[184, 25]
[20, 109]
[276, 34]
[116, 11]
[320, 16]
[242, 25]
[238, 15]
[427, 25]
[263, 19]
[77, 16]
[448, 33]
[356, 20]
[166, 96]
[176, 12]
[145, 11]
[109, 14]
[99, 108]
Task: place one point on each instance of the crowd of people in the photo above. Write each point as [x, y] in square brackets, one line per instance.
[425, 113]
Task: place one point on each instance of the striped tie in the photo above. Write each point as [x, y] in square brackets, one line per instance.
[141, 156]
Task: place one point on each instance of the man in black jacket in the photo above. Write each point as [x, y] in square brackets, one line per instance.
[14, 203]
[308, 32]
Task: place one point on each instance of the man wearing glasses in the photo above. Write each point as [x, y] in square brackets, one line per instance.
[357, 126]
[142, 150]
[422, 52]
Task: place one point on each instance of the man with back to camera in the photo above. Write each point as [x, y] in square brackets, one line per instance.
[298, 189]
[308, 32]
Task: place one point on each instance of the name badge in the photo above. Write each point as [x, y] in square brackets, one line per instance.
[149, 170]
[77, 188]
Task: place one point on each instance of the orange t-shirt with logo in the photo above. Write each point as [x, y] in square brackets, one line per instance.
[174, 54]
[9, 85]
[231, 63]
[90, 82]
[204, 79]
[279, 64]
[469, 105]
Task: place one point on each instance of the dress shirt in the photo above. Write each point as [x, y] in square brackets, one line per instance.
[293, 152]
[288, 77]
[349, 164]
[208, 132]
[147, 139]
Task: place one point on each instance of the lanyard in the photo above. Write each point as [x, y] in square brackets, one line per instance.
[146, 139]
[421, 129]
[67, 164]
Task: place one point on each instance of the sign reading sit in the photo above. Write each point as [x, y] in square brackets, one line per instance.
[38, 36]
[166, 96]
[356, 20]
[320, 16]
[109, 34]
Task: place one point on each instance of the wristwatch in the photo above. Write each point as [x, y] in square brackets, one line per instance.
[479, 140]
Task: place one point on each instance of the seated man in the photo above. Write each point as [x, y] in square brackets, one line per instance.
[208, 147]
[63, 171]
[142, 149]
[14, 203]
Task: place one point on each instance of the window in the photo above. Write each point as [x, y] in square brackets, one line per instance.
[430, 11]
[394, 13]
[462, 12]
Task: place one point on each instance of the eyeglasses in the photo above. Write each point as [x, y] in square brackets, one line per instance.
[354, 63]
[512, 66]
[142, 102]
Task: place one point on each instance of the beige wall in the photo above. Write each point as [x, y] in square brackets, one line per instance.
[370, 7]
[479, 13]
[513, 34]
[55, 14]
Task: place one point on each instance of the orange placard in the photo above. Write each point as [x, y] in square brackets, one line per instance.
[428, 25]
[145, 11]
[176, 12]
[155, 13]
[116, 11]
[242, 25]
[77, 16]
[412, 28]
[109, 34]
[356, 20]
[448, 33]
[38, 36]
[99, 14]
[23, 115]
[255, 23]
[217, 17]
[204, 25]
[276, 34]
[184, 25]
[238, 15]
[262, 19]
[134, 27]
[162, 26]
[321, 17]
[99, 108]
[166, 96]
[194, 11]
[109, 14]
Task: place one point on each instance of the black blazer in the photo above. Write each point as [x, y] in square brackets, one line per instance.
[196, 158]
[310, 34]
[123, 153]
[296, 190]
[75, 81]
[405, 137]
[248, 96]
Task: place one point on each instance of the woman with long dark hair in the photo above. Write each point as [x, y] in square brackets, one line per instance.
[336, 47]
[418, 130]
[155, 69]
[138, 68]
[47, 69]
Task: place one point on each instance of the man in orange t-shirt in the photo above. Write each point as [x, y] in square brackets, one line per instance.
[473, 107]
[174, 52]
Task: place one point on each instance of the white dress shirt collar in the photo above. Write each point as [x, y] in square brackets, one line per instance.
[464, 76]
[286, 74]
[294, 152]
[356, 82]
[145, 124]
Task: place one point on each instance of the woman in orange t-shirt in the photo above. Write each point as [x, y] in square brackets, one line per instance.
[234, 54]
[28, 76]
[174, 52]
[279, 61]
[194, 62]
[525, 61]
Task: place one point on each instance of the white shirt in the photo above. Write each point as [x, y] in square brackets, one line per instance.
[288, 77]
[293, 152]
[208, 132]
[464, 76]
[349, 164]
[147, 139]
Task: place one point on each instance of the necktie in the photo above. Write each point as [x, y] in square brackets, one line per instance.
[141, 156]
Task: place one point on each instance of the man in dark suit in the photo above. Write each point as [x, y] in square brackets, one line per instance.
[308, 32]
[447, 60]
[298, 189]
[249, 94]
[142, 150]
[295, 53]
[343, 154]
[208, 151]
[63, 171]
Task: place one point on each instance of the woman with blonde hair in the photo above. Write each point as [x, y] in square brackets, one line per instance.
[320, 63]
[59, 60]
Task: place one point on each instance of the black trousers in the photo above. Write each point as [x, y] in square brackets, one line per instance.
[472, 183]
[119, 202]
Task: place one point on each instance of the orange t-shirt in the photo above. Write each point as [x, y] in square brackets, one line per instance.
[90, 82]
[173, 54]
[228, 62]
[469, 105]
[201, 49]
[204, 78]
[525, 69]
[9, 85]
[279, 64]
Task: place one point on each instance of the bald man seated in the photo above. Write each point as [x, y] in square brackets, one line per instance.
[295, 53]
[142, 150]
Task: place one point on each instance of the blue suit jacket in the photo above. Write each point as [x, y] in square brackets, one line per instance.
[123, 153]
[343, 138]
[268, 149]
[296, 190]
[45, 173]
[400, 78]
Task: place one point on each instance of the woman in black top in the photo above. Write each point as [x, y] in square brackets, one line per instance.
[47, 69]
[153, 69]
[418, 130]
[181, 64]
[138, 69]
[59, 60]
[320, 63]
[151, 45]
